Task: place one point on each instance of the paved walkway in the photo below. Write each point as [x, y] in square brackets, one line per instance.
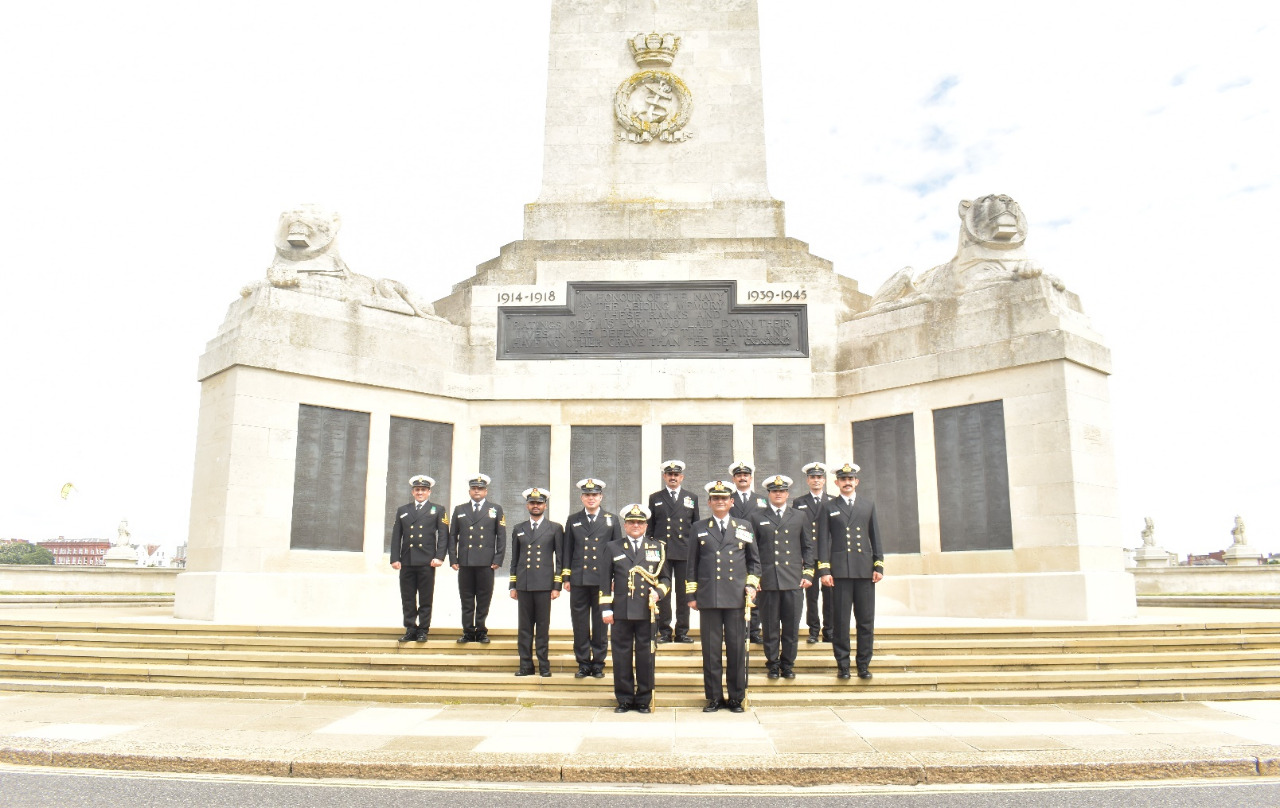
[767, 745]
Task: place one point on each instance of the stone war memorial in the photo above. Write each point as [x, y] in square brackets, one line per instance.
[655, 308]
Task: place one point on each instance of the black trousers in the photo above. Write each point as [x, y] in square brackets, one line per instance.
[780, 612]
[475, 587]
[534, 613]
[632, 642]
[725, 627]
[678, 571]
[814, 616]
[858, 595]
[417, 589]
[590, 634]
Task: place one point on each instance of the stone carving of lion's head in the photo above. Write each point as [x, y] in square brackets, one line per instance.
[306, 232]
[994, 221]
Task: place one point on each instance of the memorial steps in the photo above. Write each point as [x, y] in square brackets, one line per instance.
[1160, 662]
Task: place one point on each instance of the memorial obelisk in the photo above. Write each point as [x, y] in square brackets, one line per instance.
[656, 308]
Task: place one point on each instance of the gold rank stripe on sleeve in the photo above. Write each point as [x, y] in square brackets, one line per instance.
[565, 573]
[513, 579]
[558, 579]
[878, 564]
[690, 587]
[806, 571]
[753, 580]
[824, 565]
[605, 599]
[664, 589]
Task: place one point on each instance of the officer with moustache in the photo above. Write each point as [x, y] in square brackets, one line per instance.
[817, 617]
[673, 511]
[850, 561]
[477, 547]
[419, 541]
[628, 601]
[724, 574]
[537, 549]
[745, 503]
[788, 549]
[585, 575]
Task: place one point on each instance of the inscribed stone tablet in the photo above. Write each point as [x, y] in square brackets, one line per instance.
[516, 457]
[635, 320]
[330, 474]
[787, 449]
[609, 453]
[885, 448]
[706, 449]
[417, 447]
[973, 477]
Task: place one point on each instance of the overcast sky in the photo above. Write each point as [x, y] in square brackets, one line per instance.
[148, 149]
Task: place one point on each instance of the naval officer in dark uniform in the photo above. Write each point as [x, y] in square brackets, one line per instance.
[629, 601]
[586, 573]
[850, 560]
[673, 510]
[785, 537]
[724, 573]
[817, 598]
[745, 503]
[537, 547]
[477, 546]
[419, 541]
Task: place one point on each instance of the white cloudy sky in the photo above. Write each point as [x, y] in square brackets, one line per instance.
[149, 147]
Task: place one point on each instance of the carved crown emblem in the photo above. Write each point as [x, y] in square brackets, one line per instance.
[654, 50]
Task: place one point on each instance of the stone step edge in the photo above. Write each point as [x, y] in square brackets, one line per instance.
[759, 697]
[877, 768]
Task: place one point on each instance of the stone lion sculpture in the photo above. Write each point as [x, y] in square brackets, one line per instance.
[993, 232]
[307, 259]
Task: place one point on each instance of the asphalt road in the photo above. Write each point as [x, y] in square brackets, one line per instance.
[38, 788]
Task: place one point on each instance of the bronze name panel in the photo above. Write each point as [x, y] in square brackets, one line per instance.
[885, 448]
[329, 479]
[639, 320]
[787, 449]
[973, 477]
[517, 457]
[416, 447]
[706, 449]
[608, 453]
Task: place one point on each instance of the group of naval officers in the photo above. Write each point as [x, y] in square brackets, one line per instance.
[750, 569]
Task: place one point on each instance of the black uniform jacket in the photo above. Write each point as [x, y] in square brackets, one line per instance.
[670, 523]
[585, 559]
[419, 536]
[788, 547]
[816, 511]
[536, 556]
[625, 593]
[753, 503]
[721, 566]
[478, 539]
[850, 545]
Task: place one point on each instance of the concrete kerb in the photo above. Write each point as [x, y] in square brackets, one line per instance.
[785, 770]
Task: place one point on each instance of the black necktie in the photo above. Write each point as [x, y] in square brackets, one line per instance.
[777, 512]
[723, 528]
[635, 547]
[418, 507]
[591, 520]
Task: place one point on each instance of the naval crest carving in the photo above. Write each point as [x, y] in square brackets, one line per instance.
[653, 104]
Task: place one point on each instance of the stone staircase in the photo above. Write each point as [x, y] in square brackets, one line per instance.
[976, 665]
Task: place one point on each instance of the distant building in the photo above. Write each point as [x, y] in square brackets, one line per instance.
[1207, 560]
[179, 557]
[77, 552]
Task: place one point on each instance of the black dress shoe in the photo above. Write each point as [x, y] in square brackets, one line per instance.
[524, 673]
[842, 673]
[664, 638]
[644, 709]
[484, 638]
[597, 673]
[465, 638]
[756, 639]
[621, 708]
[685, 638]
[409, 635]
[826, 636]
[712, 706]
[813, 638]
[422, 636]
[788, 674]
[736, 707]
[545, 674]
[773, 673]
[863, 673]
[582, 673]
